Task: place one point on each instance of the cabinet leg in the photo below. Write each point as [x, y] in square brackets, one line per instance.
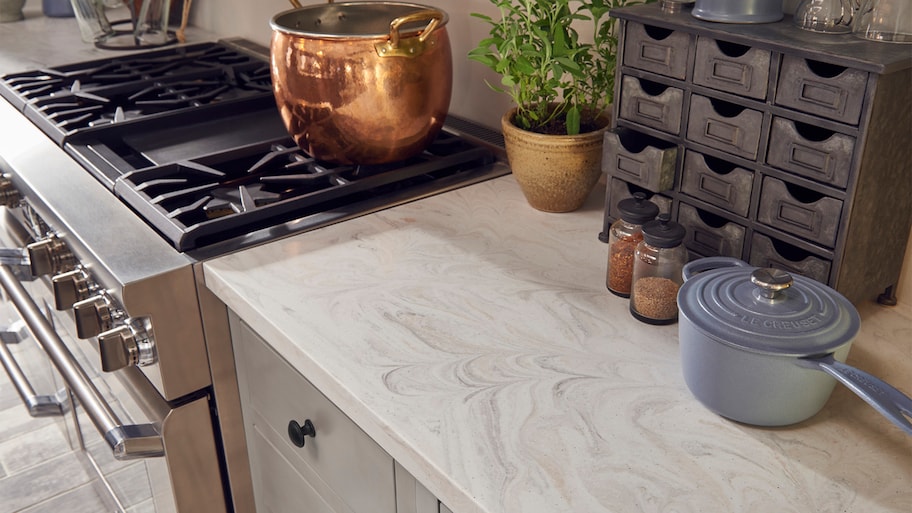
[888, 298]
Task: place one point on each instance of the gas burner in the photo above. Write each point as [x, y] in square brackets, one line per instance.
[201, 201]
[240, 69]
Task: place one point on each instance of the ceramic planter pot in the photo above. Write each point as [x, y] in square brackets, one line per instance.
[555, 172]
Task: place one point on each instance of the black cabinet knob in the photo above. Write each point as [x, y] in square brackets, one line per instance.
[298, 432]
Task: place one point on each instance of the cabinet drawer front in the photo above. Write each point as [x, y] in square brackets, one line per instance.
[828, 160]
[725, 126]
[639, 159]
[620, 190]
[732, 68]
[657, 50]
[816, 219]
[710, 238]
[651, 104]
[340, 454]
[821, 89]
[278, 486]
[719, 183]
[765, 252]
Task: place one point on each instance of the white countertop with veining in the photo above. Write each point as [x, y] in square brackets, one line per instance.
[473, 338]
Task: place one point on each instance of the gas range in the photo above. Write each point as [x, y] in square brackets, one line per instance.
[191, 140]
[119, 177]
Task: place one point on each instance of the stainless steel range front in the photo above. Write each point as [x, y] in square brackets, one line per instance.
[119, 177]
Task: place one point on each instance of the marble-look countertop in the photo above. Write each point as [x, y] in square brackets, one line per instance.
[473, 338]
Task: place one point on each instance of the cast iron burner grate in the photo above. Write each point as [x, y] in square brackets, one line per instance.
[194, 203]
[68, 99]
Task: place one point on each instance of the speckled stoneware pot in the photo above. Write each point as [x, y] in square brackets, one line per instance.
[11, 10]
[555, 172]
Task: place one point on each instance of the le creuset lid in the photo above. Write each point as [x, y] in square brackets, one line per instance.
[768, 311]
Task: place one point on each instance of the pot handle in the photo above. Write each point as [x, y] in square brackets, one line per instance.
[699, 265]
[887, 400]
[297, 5]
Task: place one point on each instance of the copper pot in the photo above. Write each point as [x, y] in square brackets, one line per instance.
[362, 82]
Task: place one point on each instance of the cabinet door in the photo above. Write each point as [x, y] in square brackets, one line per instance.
[411, 496]
[342, 465]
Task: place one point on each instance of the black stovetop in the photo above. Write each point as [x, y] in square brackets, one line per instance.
[191, 139]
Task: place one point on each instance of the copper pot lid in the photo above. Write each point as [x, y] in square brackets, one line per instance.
[357, 20]
[768, 311]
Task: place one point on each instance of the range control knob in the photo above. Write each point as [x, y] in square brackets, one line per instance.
[70, 288]
[125, 346]
[50, 256]
[93, 316]
[9, 196]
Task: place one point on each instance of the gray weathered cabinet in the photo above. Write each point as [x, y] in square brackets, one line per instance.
[779, 146]
[339, 470]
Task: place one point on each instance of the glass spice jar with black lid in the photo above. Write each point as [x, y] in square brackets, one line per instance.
[623, 237]
[657, 266]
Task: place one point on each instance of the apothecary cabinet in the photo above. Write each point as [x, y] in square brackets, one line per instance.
[779, 146]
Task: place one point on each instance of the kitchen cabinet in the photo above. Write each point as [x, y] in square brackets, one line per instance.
[337, 469]
[772, 144]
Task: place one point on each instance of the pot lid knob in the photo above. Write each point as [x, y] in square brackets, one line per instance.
[771, 281]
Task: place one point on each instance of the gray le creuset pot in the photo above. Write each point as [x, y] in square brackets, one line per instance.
[763, 347]
[738, 11]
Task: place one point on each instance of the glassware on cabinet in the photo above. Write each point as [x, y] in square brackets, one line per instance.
[658, 263]
[884, 20]
[623, 237]
[826, 16]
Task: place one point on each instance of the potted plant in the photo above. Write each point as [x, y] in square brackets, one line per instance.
[561, 84]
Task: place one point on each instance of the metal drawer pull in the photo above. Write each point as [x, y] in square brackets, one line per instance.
[37, 405]
[298, 432]
[126, 441]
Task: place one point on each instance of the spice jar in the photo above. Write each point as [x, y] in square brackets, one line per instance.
[657, 265]
[623, 237]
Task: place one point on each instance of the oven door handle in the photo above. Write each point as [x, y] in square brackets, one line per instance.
[126, 441]
[37, 405]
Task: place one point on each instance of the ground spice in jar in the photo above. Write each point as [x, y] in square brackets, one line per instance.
[655, 298]
[620, 263]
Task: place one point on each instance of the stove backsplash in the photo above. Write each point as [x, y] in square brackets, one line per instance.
[471, 97]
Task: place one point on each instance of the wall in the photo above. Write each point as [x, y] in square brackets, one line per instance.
[471, 97]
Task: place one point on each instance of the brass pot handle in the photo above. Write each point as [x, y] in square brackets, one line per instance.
[296, 4]
[412, 47]
[433, 14]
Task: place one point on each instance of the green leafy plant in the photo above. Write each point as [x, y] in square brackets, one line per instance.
[559, 81]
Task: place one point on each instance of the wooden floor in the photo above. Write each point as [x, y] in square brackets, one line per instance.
[39, 472]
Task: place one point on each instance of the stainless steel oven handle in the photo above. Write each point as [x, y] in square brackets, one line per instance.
[37, 405]
[127, 441]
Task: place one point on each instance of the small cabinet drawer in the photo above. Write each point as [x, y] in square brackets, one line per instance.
[799, 211]
[725, 126]
[812, 152]
[657, 50]
[652, 104]
[717, 182]
[822, 89]
[709, 234]
[768, 252]
[340, 457]
[639, 159]
[732, 68]
[620, 190]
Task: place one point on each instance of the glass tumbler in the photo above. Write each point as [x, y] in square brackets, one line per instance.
[151, 23]
[884, 20]
[94, 26]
